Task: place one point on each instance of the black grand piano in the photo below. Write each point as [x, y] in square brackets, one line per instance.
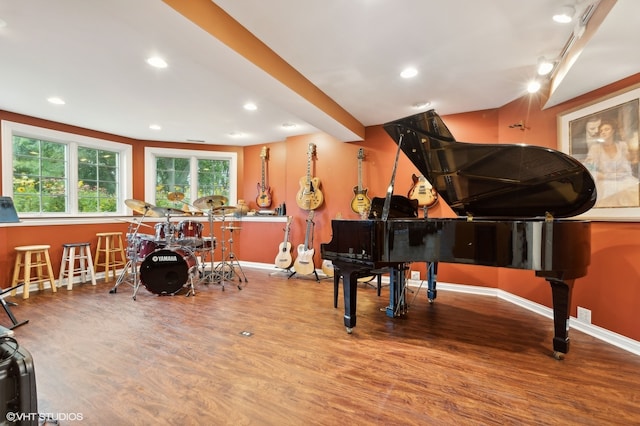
[513, 203]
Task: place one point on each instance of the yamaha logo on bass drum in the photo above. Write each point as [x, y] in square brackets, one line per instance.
[163, 258]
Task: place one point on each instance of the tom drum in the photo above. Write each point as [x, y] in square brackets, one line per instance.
[189, 233]
[165, 231]
[140, 246]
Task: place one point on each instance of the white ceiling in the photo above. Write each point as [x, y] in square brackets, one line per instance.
[471, 55]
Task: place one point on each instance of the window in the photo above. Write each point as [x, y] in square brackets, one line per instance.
[52, 173]
[196, 174]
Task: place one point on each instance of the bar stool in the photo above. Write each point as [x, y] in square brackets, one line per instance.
[112, 249]
[85, 264]
[25, 263]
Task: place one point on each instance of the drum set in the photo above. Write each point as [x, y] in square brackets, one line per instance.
[177, 254]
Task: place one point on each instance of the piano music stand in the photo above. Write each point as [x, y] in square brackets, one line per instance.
[7, 309]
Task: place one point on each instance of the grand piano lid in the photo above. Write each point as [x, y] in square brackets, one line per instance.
[494, 180]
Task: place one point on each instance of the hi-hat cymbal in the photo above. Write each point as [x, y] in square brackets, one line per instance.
[139, 206]
[175, 196]
[210, 202]
[224, 209]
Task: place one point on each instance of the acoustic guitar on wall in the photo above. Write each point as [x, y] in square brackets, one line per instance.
[283, 258]
[263, 200]
[304, 262]
[423, 191]
[361, 202]
[309, 196]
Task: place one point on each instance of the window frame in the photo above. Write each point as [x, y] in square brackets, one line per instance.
[150, 157]
[72, 141]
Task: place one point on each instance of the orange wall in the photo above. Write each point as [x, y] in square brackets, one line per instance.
[608, 290]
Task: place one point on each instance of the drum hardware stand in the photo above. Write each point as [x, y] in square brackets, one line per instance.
[7, 309]
[226, 269]
[212, 248]
[132, 261]
[192, 289]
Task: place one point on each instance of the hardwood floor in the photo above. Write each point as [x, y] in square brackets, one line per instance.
[466, 359]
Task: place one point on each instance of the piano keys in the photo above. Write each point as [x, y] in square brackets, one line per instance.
[513, 204]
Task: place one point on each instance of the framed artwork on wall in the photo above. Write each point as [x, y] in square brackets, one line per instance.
[603, 136]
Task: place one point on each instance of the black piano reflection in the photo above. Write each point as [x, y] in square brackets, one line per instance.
[513, 202]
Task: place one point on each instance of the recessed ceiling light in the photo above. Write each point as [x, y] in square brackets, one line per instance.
[155, 127]
[545, 66]
[250, 106]
[56, 100]
[409, 72]
[236, 134]
[3, 23]
[564, 15]
[289, 125]
[157, 62]
[533, 86]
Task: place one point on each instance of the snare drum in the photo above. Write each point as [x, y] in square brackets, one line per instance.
[167, 270]
[189, 233]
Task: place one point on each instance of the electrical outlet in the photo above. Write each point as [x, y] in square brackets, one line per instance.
[584, 315]
[415, 275]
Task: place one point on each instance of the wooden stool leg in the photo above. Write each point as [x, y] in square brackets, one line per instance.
[63, 265]
[52, 280]
[122, 252]
[107, 261]
[95, 259]
[16, 272]
[72, 265]
[92, 272]
[27, 275]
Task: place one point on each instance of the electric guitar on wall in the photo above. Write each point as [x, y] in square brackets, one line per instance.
[263, 200]
[309, 196]
[360, 202]
[283, 258]
[423, 191]
[304, 262]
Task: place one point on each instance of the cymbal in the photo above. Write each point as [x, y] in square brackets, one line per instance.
[224, 209]
[167, 211]
[210, 202]
[139, 206]
[175, 196]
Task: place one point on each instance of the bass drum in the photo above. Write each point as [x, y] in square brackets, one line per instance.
[168, 270]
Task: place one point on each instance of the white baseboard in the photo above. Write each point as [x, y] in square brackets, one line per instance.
[600, 333]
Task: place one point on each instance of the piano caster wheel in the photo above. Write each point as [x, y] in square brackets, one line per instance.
[349, 330]
[431, 300]
[558, 355]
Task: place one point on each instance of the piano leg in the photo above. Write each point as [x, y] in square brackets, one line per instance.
[350, 283]
[432, 278]
[336, 285]
[397, 291]
[561, 295]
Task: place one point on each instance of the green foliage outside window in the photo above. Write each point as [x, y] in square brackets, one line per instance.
[41, 180]
[174, 175]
